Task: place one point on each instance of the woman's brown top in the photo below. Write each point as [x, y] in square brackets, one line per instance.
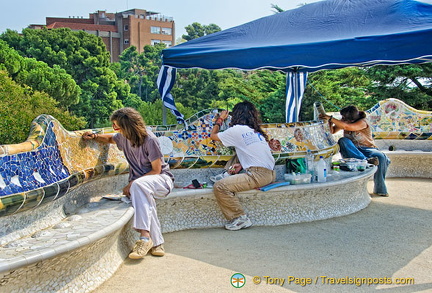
[361, 138]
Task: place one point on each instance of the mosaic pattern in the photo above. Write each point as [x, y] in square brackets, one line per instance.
[51, 163]
[393, 119]
[194, 148]
[53, 160]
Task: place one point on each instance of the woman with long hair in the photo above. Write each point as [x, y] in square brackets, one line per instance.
[149, 176]
[252, 149]
[358, 143]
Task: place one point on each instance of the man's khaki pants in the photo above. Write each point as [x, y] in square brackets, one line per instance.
[225, 189]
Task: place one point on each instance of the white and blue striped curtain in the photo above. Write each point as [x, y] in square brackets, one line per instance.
[165, 82]
[296, 84]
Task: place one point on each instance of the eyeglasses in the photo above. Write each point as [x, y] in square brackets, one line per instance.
[115, 127]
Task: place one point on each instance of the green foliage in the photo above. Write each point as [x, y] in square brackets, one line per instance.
[85, 58]
[197, 30]
[141, 70]
[10, 60]
[39, 76]
[264, 88]
[272, 108]
[337, 89]
[152, 112]
[19, 105]
[409, 83]
[199, 88]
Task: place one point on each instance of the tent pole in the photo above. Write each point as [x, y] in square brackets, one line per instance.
[296, 95]
[164, 114]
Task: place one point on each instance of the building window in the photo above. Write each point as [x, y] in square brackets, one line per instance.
[155, 30]
[126, 41]
[126, 27]
[155, 42]
[167, 31]
[167, 43]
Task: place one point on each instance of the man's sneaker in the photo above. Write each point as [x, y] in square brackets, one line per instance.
[373, 161]
[140, 249]
[158, 250]
[239, 223]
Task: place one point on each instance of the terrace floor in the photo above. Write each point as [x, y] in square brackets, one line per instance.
[391, 239]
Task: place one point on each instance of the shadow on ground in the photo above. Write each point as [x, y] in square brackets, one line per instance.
[391, 238]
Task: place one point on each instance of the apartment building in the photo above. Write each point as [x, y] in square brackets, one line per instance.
[134, 27]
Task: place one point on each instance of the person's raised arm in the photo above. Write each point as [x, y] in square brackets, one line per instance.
[333, 127]
[102, 138]
[218, 124]
[336, 124]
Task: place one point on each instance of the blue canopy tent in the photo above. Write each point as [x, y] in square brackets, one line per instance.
[323, 35]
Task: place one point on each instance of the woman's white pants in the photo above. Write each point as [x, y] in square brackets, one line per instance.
[143, 192]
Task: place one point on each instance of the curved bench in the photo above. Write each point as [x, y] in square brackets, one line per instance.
[409, 158]
[75, 245]
[81, 240]
[410, 164]
[197, 208]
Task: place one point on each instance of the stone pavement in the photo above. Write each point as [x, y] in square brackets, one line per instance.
[390, 240]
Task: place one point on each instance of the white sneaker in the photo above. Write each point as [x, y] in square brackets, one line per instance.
[220, 176]
[241, 222]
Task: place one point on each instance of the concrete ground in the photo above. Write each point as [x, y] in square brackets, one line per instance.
[389, 241]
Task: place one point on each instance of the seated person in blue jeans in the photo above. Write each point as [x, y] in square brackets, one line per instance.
[358, 143]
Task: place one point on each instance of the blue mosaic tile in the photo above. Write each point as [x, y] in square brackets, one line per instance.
[44, 161]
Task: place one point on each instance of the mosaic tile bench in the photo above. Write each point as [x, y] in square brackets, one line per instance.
[54, 180]
[405, 135]
[71, 245]
[197, 208]
[87, 238]
[393, 119]
[53, 183]
[54, 161]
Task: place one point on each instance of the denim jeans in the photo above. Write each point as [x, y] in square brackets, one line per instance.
[349, 150]
[225, 189]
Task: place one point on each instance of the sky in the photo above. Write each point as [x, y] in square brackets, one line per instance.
[224, 13]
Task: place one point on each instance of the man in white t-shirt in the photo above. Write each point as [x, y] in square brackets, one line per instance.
[251, 146]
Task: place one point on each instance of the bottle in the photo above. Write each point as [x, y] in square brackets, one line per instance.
[309, 159]
[319, 108]
[321, 169]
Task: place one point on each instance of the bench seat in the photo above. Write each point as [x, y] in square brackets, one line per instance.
[93, 236]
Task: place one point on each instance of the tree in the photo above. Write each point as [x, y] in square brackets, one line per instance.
[85, 58]
[197, 30]
[39, 76]
[152, 112]
[336, 89]
[20, 105]
[409, 83]
[200, 88]
[141, 70]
